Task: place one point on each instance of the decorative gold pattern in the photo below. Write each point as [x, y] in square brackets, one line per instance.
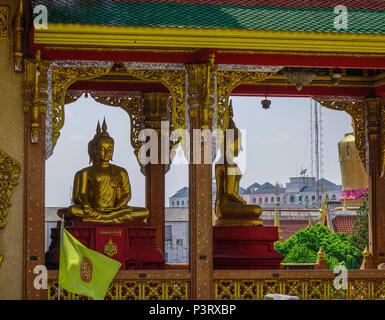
[356, 109]
[174, 80]
[132, 290]
[18, 31]
[227, 81]
[110, 248]
[62, 78]
[9, 174]
[35, 86]
[4, 20]
[382, 125]
[86, 268]
[201, 88]
[305, 289]
[134, 109]
[72, 96]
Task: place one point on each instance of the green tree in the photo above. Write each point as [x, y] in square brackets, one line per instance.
[304, 245]
[360, 234]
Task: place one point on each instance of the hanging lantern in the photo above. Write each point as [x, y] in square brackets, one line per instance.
[266, 103]
[336, 76]
[300, 77]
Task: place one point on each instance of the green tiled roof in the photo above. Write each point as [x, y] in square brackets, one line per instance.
[194, 15]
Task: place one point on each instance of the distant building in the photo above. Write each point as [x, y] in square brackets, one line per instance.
[176, 235]
[179, 199]
[300, 192]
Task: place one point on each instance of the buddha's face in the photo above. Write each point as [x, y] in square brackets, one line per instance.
[104, 150]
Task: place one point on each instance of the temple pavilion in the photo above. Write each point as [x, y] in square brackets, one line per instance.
[181, 60]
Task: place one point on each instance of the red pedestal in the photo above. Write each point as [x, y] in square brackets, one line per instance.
[133, 246]
[240, 248]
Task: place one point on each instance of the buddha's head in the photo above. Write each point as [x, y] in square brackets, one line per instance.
[101, 147]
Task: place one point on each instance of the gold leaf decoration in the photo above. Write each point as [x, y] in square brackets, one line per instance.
[9, 174]
[227, 81]
[4, 18]
[110, 248]
[62, 78]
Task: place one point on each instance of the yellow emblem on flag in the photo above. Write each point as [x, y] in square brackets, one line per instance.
[86, 270]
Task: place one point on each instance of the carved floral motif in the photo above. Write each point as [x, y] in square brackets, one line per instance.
[9, 174]
[4, 20]
[227, 81]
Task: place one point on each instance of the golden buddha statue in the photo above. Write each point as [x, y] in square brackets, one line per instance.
[101, 192]
[230, 207]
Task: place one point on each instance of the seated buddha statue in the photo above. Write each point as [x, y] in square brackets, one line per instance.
[101, 191]
[230, 208]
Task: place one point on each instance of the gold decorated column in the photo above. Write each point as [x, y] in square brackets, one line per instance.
[35, 95]
[375, 126]
[201, 86]
[155, 106]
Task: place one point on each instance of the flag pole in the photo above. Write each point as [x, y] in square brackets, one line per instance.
[61, 245]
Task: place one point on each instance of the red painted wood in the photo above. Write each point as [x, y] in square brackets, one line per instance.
[239, 247]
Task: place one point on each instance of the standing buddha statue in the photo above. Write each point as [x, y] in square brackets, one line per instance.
[101, 191]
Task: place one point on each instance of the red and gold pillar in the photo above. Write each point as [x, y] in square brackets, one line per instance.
[375, 125]
[200, 186]
[155, 110]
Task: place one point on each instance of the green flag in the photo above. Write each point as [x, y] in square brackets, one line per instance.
[84, 271]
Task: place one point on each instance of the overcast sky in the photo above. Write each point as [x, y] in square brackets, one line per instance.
[277, 145]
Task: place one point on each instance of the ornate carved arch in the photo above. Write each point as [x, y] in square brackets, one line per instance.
[173, 79]
[356, 109]
[134, 108]
[62, 75]
[227, 81]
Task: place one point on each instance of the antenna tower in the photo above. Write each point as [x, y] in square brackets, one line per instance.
[311, 139]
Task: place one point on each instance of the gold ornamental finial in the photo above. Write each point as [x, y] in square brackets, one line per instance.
[344, 208]
[21, 7]
[366, 254]
[18, 32]
[321, 254]
[276, 218]
[231, 113]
